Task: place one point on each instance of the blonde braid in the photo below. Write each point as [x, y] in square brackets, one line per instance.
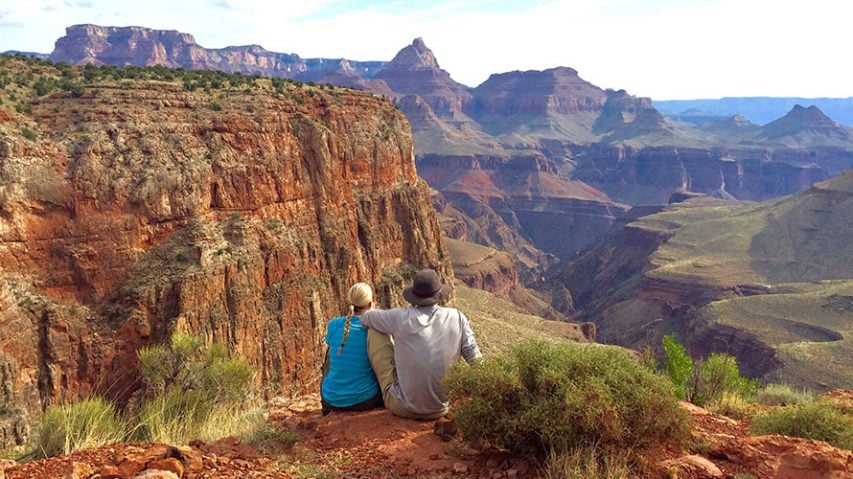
[346, 328]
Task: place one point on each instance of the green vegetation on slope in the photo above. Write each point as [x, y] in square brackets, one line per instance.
[24, 81]
[822, 420]
[499, 324]
[192, 391]
[778, 273]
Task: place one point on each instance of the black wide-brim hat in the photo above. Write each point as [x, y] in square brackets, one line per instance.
[426, 289]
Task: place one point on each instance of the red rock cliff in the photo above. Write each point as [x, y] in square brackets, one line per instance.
[139, 209]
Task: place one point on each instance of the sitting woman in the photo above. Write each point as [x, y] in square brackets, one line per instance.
[348, 380]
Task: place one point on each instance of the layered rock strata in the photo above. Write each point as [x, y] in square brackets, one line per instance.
[145, 47]
[138, 210]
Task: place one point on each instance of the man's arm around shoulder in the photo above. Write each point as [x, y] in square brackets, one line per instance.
[378, 319]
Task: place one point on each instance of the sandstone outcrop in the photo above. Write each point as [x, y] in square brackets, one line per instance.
[146, 47]
[415, 71]
[138, 209]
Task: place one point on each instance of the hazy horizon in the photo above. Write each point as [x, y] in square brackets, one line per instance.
[663, 49]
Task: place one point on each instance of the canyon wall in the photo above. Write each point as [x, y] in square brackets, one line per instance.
[139, 209]
[648, 176]
[520, 204]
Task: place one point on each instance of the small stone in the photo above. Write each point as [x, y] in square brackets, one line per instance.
[156, 451]
[156, 474]
[78, 470]
[191, 458]
[109, 471]
[168, 464]
[694, 464]
[130, 467]
[460, 468]
[493, 462]
[512, 473]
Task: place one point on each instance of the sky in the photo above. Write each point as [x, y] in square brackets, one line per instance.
[663, 49]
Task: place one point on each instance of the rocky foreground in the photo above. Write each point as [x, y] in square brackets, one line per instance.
[376, 444]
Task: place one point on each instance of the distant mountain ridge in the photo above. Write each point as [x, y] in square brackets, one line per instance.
[759, 110]
[142, 46]
[526, 153]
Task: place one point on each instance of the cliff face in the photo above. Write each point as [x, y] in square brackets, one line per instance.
[528, 195]
[139, 209]
[650, 175]
[536, 163]
[506, 100]
[145, 47]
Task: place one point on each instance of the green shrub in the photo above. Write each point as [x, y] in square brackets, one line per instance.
[179, 417]
[821, 420]
[28, 134]
[542, 396]
[190, 365]
[678, 366]
[704, 382]
[176, 416]
[194, 391]
[719, 375]
[90, 423]
[782, 395]
[732, 405]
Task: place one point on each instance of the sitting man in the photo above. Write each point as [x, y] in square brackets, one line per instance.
[427, 339]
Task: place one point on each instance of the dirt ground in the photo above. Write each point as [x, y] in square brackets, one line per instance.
[376, 444]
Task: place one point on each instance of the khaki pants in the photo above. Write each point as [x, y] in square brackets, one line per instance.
[380, 352]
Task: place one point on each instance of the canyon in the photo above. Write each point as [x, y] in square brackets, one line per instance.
[769, 283]
[531, 153]
[137, 209]
[556, 179]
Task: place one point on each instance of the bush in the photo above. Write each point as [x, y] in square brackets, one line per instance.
[704, 382]
[269, 439]
[174, 417]
[90, 423]
[186, 363]
[782, 395]
[721, 375]
[194, 392]
[732, 405]
[542, 396]
[821, 420]
[678, 366]
[28, 134]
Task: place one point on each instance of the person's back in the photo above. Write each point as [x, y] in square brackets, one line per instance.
[350, 379]
[349, 383]
[427, 339]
